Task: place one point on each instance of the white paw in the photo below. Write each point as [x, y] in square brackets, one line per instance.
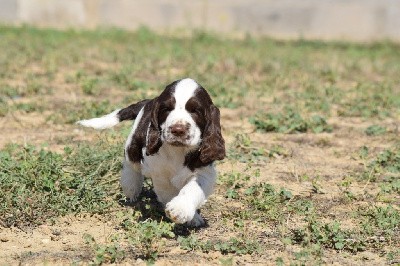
[179, 210]
[197, 221]
[131, 188]
[131, 194]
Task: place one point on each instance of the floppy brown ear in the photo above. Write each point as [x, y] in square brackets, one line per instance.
[213, 145]
[154, 134]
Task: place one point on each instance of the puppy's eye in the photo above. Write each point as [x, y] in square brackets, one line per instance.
[195, 111]
[166, 109]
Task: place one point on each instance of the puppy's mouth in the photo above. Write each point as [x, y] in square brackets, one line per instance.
[178, 142]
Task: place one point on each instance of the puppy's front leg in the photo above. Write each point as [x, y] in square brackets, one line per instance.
[131, 180]
[182, 208]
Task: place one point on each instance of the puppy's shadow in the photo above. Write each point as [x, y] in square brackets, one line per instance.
[147, 204]
[150, 208]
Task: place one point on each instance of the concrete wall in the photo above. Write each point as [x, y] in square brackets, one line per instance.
[358, 20]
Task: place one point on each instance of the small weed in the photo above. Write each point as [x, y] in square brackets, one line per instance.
[312, 252]
[381, 221]
[375, 130]
[265, 198]
[90, 86]
[386, 162]
[193, 243]
[390, 184]
[278, 151]
[147, 237]
[329, 235]
[29, 107]
[363, 152]
[279, 262]
[233, 181]
[393, 257]
[317, 188]
[302, 207]
[344, 187]
[318, 124]
[245, 150]
[237, 246]
[106, 253]
[290, 122]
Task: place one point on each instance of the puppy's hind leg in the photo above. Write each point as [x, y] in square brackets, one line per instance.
[131, 181]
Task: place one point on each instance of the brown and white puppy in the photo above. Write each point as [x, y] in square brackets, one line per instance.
[175, 139]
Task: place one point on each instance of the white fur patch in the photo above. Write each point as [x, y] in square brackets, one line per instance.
[184, 90]
[103, 122]
[179, 211]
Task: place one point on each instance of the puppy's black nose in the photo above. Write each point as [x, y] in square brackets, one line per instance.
[178, 130]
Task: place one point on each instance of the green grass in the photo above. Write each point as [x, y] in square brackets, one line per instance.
[128, 61]
[81, 110]
[375, 130]
[37, 185]
[328, 235]
[290, 122]
[385, 164]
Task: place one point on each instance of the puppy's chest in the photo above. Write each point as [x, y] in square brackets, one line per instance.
[167, 162]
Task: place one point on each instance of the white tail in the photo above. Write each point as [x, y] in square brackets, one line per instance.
[103, 122]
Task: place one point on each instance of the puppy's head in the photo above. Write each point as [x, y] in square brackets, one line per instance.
[185, 116]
